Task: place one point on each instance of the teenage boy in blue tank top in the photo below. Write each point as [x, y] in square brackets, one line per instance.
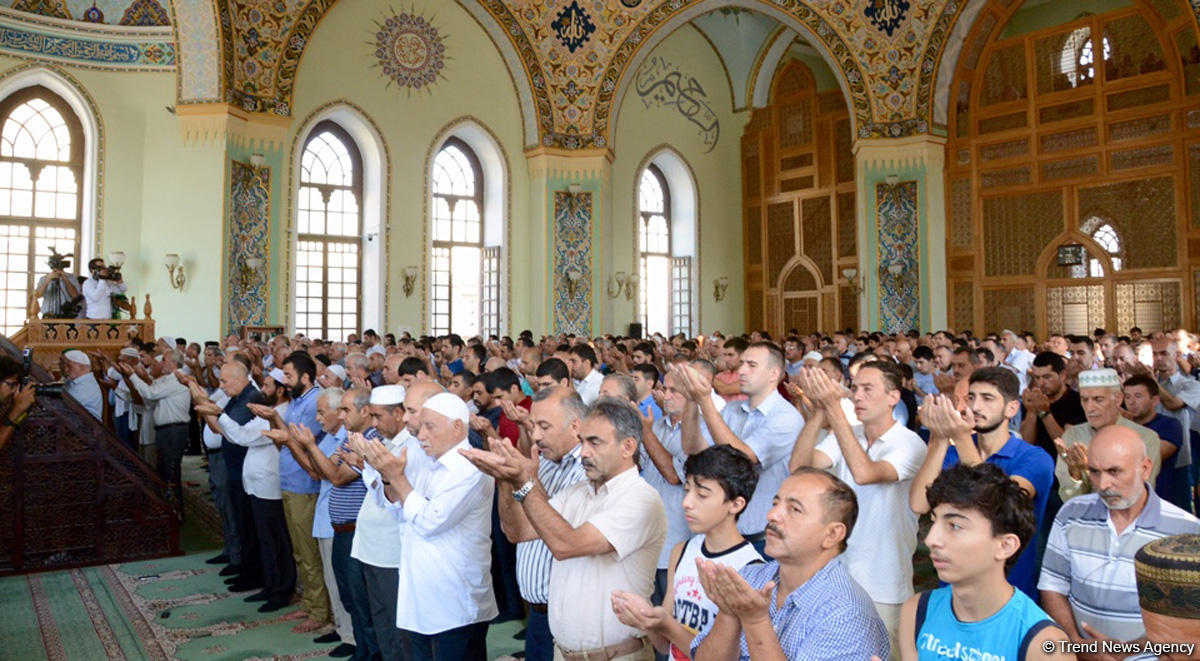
[993, 399]
[720, 481]
[982, 520]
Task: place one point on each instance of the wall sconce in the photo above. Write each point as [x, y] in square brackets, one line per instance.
[573, 278]
[116, 259]
[616, 284]
[631, 286]
[258, 160]
[851, 276]
[719, 286]
[175, 274]
[410, 280]
[892, 179]
[248, 272]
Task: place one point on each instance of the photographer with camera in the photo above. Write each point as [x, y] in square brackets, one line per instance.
[58, 289]
[17, 399]
[99, 289]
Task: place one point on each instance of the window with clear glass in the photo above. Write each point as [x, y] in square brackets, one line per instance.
[41, 166]
[654, 248]
[1103, 233]
[464, 283]
[329, 227]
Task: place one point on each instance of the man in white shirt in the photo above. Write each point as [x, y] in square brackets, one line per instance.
[443, 506]
[1019, 358]
[395, 414]
[99, 289]
[605, 534]
[581, 360]
[172, 411]
[878, 459]
[260, 479]
[81, 383]
[1179, 397]
[125, 419]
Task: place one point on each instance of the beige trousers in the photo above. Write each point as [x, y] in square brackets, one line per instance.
[298, 509]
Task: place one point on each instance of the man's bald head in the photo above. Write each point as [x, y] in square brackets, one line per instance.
[1118, 467]
[414, 401]
[234, 378]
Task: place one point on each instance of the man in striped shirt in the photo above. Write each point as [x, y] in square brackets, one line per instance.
[1088, 583]
[553, 424]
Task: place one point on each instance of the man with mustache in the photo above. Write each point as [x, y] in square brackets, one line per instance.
[553, 425]
[803, 604]
[605, 534]
[1101, 397]
[1088, 583]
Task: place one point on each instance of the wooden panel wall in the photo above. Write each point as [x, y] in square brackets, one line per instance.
[799, 208]
[1046, 147]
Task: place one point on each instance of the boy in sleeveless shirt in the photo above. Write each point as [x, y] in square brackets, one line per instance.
[720, 481]
[982, 520]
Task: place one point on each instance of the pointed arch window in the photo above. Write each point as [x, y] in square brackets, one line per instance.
[1103, 233]
[41, 167]
[329, 228]
[464, 283]
[654, 251]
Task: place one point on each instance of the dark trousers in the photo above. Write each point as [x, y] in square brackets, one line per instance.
[352, 590]
[128, 436]
[660, 593]
[539, 643]
[467, 643]
[278, 568]
[171, 441]
[504, 569]
[382, 585]
[247, 531]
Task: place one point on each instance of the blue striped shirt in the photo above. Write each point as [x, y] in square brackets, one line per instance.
[829, 618]
[1089, 562]
[345, 501]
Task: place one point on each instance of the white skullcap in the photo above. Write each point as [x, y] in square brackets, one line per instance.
[77, 356]
[1105, 377]
[130, 352]
[388, 395]
[376, 349]
[450, 405]
[170, 341]
[338, 371]
[276, 374]
[813, 355]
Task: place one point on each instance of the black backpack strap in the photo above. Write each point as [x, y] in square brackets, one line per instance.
[1030, 635]
[922, 606]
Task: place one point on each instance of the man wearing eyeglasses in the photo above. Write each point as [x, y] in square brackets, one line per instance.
[14, 398]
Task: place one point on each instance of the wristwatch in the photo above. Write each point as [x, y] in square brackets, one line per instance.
[519, 494]
[1042, 414]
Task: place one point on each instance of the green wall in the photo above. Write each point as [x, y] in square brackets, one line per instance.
[640, 132]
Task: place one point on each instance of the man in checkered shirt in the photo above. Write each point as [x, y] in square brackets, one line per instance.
[803, 604]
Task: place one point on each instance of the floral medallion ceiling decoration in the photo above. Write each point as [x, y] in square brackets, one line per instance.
[410, 51]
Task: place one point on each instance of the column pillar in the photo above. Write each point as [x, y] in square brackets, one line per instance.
[902, 233]
[570, 198]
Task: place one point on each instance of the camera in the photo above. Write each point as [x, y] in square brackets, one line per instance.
[58, 262]
[41, 389]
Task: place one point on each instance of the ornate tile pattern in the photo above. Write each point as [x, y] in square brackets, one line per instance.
[145, 13]
[573, 252]
[98, 52]
[200, 59]
[896, 218]
[249, 236]
[51, 8]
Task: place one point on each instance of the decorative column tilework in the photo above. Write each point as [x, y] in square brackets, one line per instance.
[573, 252]
[899, 295]
[249, 221]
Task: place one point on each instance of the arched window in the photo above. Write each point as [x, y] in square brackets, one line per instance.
[654, 251]
[1103, 233]
[329, 241]
[41, 167]
[460, 302]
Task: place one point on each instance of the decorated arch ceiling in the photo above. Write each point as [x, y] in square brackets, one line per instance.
[572, 60]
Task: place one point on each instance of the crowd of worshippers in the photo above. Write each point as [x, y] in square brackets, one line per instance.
[713, 498]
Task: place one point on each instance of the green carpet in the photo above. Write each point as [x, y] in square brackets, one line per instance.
[170, 608]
